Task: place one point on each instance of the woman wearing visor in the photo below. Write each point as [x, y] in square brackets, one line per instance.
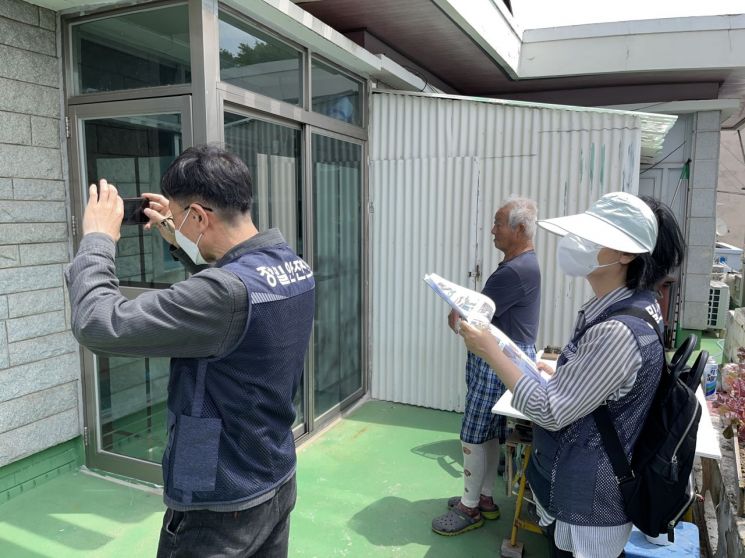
[624, 246]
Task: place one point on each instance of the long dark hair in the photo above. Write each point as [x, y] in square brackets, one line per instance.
[646, 271]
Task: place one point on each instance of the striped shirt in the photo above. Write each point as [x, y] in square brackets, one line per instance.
[603, 368]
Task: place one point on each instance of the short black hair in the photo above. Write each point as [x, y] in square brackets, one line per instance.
[211, 175]
[646, 271]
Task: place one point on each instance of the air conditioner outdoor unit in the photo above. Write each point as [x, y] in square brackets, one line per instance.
[718, 305]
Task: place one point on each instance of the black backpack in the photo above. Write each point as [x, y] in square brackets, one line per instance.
[656, 486]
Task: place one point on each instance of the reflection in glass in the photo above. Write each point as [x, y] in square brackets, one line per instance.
[142, 49]
[132, 406]
[272, 154]
[256, 61]
[337, 188]
[335, 94]
[132, 153]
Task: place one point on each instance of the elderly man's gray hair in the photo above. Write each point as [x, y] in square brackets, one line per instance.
[523, 211]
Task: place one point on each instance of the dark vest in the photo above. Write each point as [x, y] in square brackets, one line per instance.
[230, 417]
[569, 470]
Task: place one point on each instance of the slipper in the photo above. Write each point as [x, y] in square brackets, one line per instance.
[455, 522]
[487, 513]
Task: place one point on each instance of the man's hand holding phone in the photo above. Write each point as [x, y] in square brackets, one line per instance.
[159, 217]
[104, 211]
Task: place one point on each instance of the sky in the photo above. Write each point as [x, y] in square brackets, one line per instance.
[532, 14]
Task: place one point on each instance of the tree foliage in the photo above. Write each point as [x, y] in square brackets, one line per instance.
[249, 55]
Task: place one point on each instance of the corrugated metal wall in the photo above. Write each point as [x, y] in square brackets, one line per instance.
[440, 168]
[423, 221]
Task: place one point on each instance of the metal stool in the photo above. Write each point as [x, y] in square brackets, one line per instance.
[518, 443]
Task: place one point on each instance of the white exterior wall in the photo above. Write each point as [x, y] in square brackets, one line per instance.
[701, 218]
[439, 169]
[695, 136]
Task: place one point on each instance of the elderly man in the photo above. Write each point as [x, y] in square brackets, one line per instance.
[237, 335]
[515, 288]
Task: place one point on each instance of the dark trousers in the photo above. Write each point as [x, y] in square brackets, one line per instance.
[262, 531]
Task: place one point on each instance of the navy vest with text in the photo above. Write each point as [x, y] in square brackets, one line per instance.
[569, 471]
[230, 417]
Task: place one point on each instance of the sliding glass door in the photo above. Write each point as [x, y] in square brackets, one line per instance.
[337, 261]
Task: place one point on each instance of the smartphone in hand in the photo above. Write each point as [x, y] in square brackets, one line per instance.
[134, 213]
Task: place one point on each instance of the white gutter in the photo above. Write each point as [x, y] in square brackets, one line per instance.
[727, 107]
[395, 75]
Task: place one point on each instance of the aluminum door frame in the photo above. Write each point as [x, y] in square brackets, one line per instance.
[96, 458]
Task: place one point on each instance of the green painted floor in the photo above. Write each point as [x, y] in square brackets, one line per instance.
[369, 486]
[79, 515]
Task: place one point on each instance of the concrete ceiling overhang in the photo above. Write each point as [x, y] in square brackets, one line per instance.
[423, 31]
[679, 59]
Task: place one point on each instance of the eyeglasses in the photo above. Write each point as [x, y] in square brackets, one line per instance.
[188, 208]
[200, 205]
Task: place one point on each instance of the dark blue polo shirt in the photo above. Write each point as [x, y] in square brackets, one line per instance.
[515, 288]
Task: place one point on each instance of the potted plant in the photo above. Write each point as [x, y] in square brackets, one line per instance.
[731, 406]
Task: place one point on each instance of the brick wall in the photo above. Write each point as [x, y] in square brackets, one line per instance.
[39, 359]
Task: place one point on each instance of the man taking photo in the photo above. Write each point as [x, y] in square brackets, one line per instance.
[236, 332]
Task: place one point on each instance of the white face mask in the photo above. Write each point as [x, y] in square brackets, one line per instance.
[578, 257]
[191, 248]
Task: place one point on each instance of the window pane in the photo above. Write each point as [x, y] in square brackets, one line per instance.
[335, 94]
[132, 414]
[254, 60]
[142, 49]
[272, 154]
[337, 188]
[133, 152]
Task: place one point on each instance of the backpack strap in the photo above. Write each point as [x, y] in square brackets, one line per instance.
[678, 362]
[621, 467]
[642, 315]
